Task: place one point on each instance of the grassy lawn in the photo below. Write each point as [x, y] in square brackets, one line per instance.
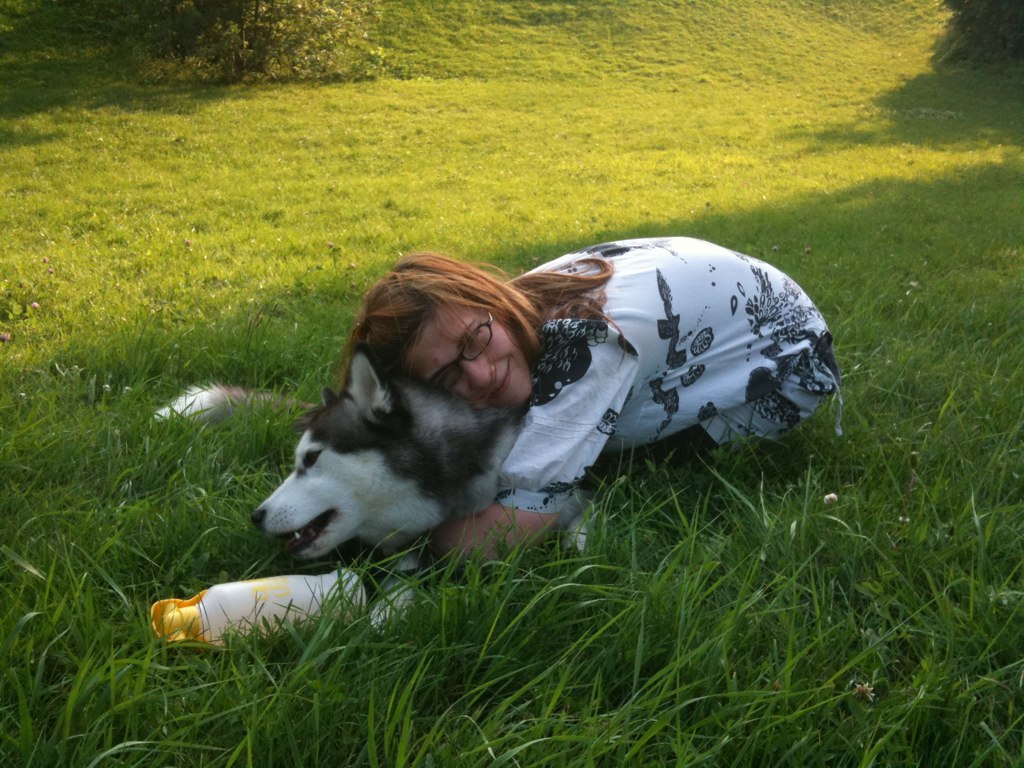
[159, 235]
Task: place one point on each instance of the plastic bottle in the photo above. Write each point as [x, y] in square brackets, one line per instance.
[253, 605]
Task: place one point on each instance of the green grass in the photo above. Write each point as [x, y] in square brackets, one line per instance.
[723, 613]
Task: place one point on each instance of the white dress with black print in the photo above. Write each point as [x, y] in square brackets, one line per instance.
[700, 335]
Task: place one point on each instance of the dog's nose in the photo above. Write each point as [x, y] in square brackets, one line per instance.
[258, 515]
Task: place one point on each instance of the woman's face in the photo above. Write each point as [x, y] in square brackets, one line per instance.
[496, 376]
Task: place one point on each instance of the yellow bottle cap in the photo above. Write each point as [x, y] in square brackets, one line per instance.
[176, 619]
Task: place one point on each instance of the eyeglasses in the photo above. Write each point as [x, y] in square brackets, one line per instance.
[474, 345]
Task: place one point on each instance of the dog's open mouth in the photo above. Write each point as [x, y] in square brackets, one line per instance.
[298, 540]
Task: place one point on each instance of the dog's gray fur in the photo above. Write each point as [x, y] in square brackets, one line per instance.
[385, 461]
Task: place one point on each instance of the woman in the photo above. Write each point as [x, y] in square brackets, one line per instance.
[617, 345]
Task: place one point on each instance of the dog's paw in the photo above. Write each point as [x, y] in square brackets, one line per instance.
[392, 603]
[575, 534]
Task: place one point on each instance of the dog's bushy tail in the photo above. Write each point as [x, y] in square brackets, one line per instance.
[215, 402]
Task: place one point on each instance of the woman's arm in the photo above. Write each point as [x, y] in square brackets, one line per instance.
[490, 531]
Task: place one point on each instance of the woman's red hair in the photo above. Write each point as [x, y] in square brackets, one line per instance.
[397, 305]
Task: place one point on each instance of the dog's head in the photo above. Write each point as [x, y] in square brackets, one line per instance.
[344, 484]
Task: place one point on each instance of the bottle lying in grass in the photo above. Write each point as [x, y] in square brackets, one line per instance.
[256, 605]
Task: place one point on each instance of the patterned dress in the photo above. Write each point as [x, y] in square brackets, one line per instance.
[700, 335]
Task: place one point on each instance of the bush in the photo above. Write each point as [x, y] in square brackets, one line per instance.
[233, 40]
[985, 30]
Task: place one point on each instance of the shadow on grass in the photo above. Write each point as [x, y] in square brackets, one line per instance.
[951, 104]
[48, 63]
[885, 260]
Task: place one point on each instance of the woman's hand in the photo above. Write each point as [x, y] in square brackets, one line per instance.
[490, 531]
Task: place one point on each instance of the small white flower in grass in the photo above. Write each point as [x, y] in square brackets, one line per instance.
[831, 498]
[864, 692]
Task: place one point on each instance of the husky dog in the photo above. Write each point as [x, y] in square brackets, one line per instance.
[384, 461]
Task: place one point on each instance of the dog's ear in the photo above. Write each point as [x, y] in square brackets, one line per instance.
[368, 386]
[305, 421]
[328, 396]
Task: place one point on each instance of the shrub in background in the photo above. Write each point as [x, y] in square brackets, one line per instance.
[232, 40]
[985, 30]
